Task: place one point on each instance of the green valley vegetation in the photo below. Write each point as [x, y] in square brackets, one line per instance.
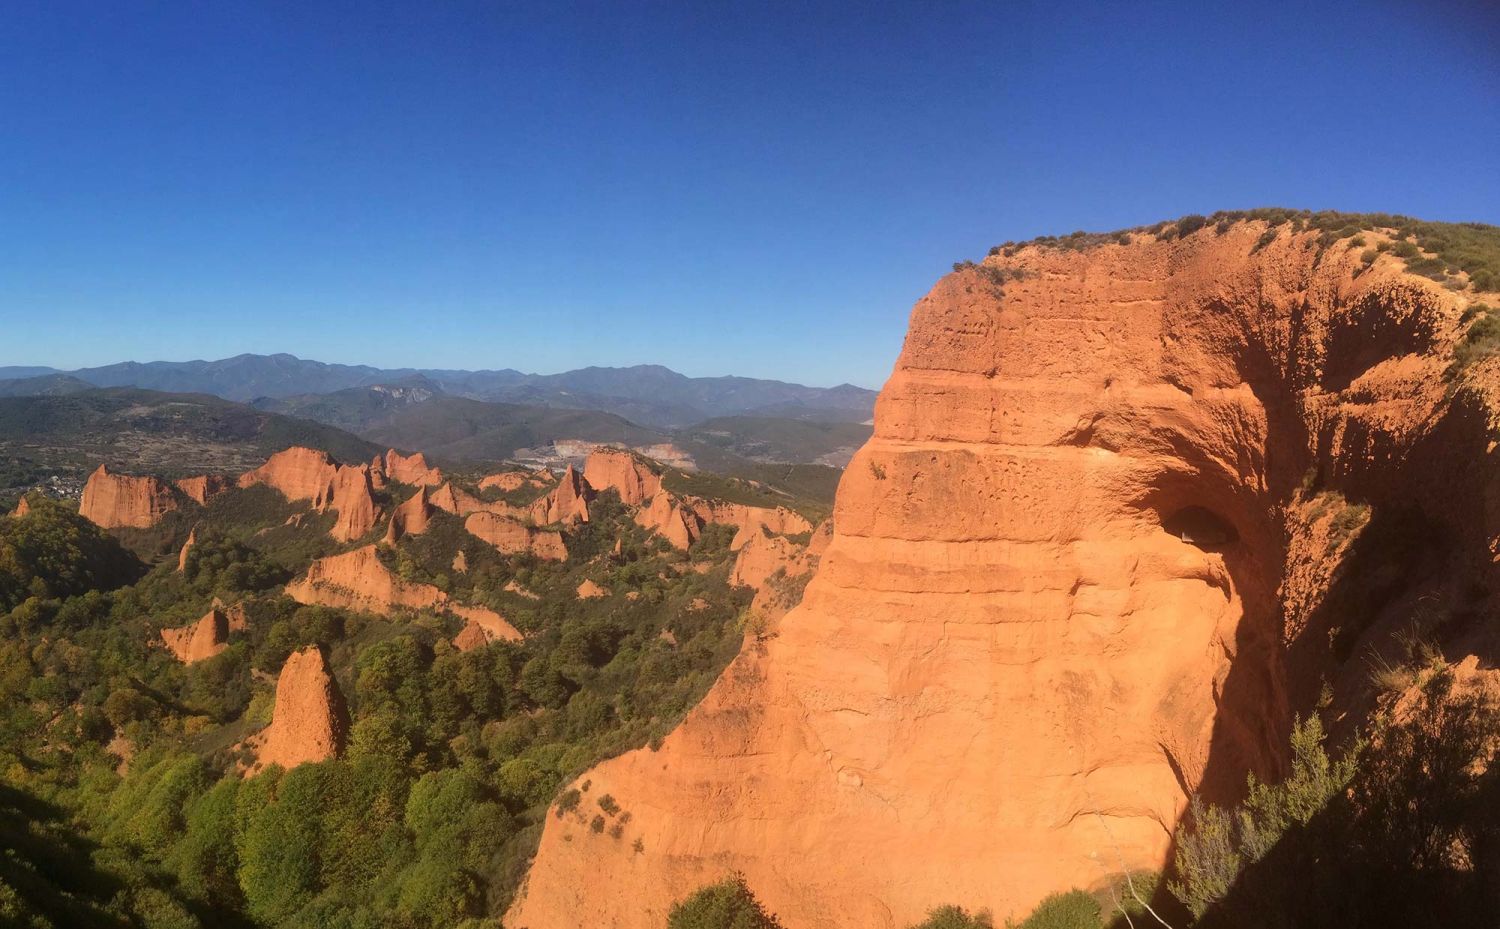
[1401, 828]
[126, 801]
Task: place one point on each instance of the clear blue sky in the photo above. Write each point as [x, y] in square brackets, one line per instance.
[749, 188]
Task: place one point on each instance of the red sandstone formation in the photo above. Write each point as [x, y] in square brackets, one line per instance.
[377, 473]
[616, 469]
[203, 639]
[411, 470]
[515, 480]
[349, 493]
[491, 623]
[461, 562]
[239, 621]
[760, 556]
[456, 500]
[187, 546]
[358, 580]
[411, 517]
[515, 537]
[204, 487]
[298, 473]
[305, 474]
[471, 637]
[310, 721]
[666, 515]
[750, 519]
[567, 503]
[589, 590]
[22, 508]
[113, 501]
[1068, 584]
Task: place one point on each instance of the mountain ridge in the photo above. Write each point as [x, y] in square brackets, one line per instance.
[653, 395]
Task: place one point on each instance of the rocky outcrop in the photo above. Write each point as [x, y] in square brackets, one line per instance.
[472, 636]
[616, 469]
[239, 620]
[494, 626]
[589, 590]
[350, 494]
[506, 481]
[297, 473]
[751, 520]
[459, 502]
[187, 546]
[310, 721]
[22, 509]
[114, 501]
[377, 472]
[412, 469]
[203, 639]
[680, 519]
[567, 503]
[411, 517]
[1057, 600]
[461, 562]
[204, 487]
[514, 537]
[306, 474]
[667, 515]
[760, 556]
[358, 580]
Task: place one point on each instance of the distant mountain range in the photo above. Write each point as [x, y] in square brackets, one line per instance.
[647, 394]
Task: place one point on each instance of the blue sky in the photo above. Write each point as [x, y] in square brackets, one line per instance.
[757, 189]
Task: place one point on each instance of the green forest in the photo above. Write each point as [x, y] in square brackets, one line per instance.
[124, 803]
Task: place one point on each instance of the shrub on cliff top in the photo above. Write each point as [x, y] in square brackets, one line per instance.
[1481, 341]
[1072, 910]
[728, 904]
[955, 917]
[1190, 224]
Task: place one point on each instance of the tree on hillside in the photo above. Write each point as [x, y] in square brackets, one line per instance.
[728, 904]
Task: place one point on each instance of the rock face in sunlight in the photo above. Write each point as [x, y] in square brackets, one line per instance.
[114, 501]
[1070, 581]
[204, 487]
[412, 469]
[514, 537]
[298, 473]
[619, 470]
[187, 548]
[411, 517]
[358, 580]
[350, 495]
[567, 503]
[203, 639]
[310, 720]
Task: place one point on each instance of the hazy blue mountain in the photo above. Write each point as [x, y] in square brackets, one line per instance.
[647, 394]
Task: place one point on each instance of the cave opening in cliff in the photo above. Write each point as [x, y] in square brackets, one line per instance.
[1200, 526]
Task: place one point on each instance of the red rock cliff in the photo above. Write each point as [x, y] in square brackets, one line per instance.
[299, 473]
[309, 721]
[619, 470]
[411, 469]
[114, 501]
[204, 487]
[1060, 592]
